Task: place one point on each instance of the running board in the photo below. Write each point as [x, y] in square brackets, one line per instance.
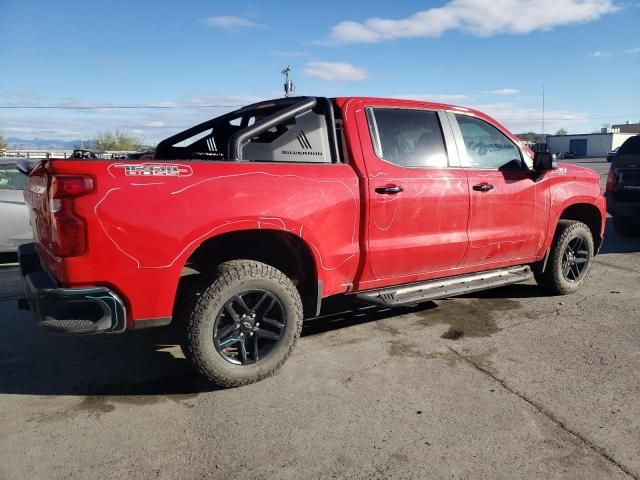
[448, 287]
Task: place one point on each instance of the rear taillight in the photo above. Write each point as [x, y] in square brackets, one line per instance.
[65, 186]
[68, 230]
[611, 180]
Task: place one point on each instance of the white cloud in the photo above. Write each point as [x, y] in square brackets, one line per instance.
[478, 17]
[599, 54]
[434, 97]
[504, 91]
[151, 124]
[335, 71]
[23, 96]
[230, 22]
[521, 119]
[633, 50]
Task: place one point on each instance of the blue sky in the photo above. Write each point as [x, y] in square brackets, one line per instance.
[491, 54]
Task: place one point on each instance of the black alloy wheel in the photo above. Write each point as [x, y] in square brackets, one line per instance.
[248, 327]
[241, 322]
[569, 259]
[575, 259]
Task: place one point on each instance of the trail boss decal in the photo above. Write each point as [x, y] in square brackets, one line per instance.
[154, 170]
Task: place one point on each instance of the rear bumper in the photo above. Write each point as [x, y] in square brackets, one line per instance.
[618, 208]
[68, 310]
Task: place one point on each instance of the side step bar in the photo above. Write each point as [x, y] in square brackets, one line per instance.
[448, 287]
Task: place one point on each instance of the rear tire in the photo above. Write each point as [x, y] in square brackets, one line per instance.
[623, 226]
[569, 260]
[223, 336]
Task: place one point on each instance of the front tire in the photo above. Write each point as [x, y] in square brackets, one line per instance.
[570, 259]
[243, 324]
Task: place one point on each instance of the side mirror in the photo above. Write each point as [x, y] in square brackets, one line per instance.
[543, 161]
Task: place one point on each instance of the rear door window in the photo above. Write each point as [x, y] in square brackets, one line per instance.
[407, 137]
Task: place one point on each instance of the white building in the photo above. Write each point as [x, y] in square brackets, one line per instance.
[587, 145]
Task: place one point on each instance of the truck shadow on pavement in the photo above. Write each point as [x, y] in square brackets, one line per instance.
[143, 363]
[146, 366]
[614, 243]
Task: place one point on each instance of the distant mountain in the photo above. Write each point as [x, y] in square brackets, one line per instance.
[45, 144]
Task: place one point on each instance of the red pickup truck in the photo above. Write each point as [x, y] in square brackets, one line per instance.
[240, 226]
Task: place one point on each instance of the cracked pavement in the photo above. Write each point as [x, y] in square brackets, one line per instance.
[536, 387]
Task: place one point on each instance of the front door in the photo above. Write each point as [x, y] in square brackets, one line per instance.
[508, 206]
[418, 207]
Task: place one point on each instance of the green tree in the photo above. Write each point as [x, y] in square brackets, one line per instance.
[117, 141]
[528, 137]
[561, 131]
[3, 144]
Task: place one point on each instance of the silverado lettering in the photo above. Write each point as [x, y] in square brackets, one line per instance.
[298, 152]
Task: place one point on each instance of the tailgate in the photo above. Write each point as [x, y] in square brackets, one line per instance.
[37, 199]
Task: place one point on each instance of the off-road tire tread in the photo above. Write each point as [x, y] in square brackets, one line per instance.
[551, 279]
[210, 287]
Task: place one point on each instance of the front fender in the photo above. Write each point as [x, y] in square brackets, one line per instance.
[564, 198]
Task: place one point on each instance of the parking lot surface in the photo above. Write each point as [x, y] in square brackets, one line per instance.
[536, 387]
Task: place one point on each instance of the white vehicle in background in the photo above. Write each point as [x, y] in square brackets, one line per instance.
[14, 214]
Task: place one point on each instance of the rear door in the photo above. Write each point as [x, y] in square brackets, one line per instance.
[508, 207]
[418, 206]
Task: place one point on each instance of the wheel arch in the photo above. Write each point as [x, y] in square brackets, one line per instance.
[587, 213]
[283, 250]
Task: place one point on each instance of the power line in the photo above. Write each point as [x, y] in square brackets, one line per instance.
[112, 107]
[179, 107]
[614, 115]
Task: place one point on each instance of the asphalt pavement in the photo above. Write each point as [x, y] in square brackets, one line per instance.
[536, 387]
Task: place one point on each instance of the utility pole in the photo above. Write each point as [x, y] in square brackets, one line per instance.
[543, 112]
[289, 87]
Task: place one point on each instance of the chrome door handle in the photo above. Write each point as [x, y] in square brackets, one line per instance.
[483, 187]
[389, 190]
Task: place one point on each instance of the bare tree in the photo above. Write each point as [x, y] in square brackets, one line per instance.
[3, 144]
[117, 141]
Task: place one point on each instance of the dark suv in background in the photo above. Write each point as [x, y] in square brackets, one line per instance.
[623, 187]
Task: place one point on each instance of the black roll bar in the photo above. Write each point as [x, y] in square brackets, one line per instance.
[242, 137]
[333, 141]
